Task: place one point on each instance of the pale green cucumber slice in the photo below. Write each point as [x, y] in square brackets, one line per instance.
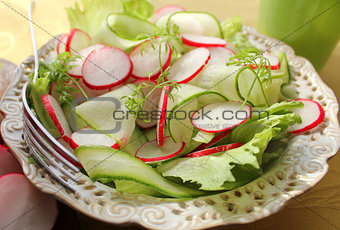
[186, 100]
[259, 95]
[244, 81]
[192, 146]
[75, 122]
[136, 140]
[136, 188]
[109, 115]
[195, 22]
[278, 74]
[203, 137]
[284, 67]
[273, 91]
[287, 90]
[220, 79]
[123, 31]
[151, 134]
[106, 163]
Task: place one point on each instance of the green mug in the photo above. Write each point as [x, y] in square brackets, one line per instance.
[311, 27]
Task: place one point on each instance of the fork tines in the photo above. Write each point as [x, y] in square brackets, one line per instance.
[51, 154]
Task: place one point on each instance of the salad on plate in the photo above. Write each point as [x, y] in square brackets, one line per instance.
[167, 103]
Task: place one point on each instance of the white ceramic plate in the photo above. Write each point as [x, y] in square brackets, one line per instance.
[302, 165]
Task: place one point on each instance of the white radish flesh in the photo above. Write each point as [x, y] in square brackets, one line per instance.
[57, 116]
[76, 41]
[312, 114]
[162, 107]
[191, 22]
[61, 45]
[197, 40]
[106, 68]
[220, 116]
[151, 152]
[166, 10]
[273, 60]
[189, 65]
[219, 58]
[23, 206]
[78, 63]
[145, 59]
[88, 136]
[215, 70]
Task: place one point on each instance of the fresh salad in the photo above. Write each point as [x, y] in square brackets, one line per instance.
[167, 103]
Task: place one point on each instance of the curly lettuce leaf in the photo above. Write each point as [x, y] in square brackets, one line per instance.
[209, 171]
[280, 108]
[232, 32]
[246, 131]
[243, 174]
[92, 14]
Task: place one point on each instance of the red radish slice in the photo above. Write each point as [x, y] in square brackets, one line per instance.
[189, 65]
[90, 92]
[23, 206]
[220, 116]
[220, 55]
[213, 150]
[274, 61]
[145, 59]
[88, 136]
[8, 163]
[215, 140]
[61, 45]
[162, 107]
[197, 40]
[166, 10]
[106, 68]
[57, 116]
[78, 63]
[150, 106]
[312, 114]
[151, 152]
[76, 41]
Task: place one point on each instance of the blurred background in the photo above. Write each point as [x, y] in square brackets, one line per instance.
[50, 15]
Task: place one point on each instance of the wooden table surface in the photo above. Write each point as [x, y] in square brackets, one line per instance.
[323, 199]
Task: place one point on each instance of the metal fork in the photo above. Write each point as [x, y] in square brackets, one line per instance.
[58, 161]
[52, 155]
